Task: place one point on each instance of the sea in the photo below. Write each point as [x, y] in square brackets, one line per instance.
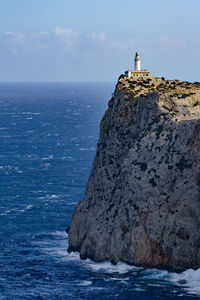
[48, 137]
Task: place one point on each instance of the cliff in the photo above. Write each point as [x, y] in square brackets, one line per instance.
[142, 200]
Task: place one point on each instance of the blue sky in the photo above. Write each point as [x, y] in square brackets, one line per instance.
[88, 40]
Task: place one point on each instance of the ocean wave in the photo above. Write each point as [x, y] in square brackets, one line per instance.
[53, 196]
[59, 233]
[107, 267]
[20, 210]
[155, 274]
[188, 280]
[29, 207]
[47, 197]
[48, 157]
[85, 283]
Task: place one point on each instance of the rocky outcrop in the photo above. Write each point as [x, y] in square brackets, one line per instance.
[142, 200]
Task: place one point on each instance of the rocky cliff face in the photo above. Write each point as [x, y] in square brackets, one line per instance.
[142, 200]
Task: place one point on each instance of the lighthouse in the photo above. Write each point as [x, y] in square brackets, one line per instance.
[137, 66]
[137, 73]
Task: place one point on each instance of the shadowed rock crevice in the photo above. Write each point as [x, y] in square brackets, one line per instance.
[142, 201]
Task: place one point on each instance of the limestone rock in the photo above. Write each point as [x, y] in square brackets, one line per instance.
[142, 200]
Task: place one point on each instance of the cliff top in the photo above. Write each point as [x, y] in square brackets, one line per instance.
[179, 98]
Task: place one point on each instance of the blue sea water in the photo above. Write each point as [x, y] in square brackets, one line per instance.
[48, 136]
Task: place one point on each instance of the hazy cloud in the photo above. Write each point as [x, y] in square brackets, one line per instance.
[172, 42]
[69, 41]
[69, 38]
[97, 36]
[18, 42]
[66, 33]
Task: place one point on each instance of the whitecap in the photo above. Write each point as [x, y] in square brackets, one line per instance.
[53, 196]
[107, 267]
[139, 289]
[85, 283]
[28, 207]
[48, 157]
[189, 280]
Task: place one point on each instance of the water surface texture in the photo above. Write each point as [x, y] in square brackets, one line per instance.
[48, 135]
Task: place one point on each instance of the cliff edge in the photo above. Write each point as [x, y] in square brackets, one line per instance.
[142, 200]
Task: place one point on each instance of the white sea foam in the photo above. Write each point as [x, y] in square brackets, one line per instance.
[85, 283]
[50, 197]
[107, 267]
[28, 207]
[120, 279]
[48, 157]
[87, 149]
[190, 280]
[53, 196]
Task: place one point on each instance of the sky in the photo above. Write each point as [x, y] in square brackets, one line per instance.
[90, 40]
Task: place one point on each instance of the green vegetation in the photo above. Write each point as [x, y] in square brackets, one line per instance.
[196, 103]
[184, 96]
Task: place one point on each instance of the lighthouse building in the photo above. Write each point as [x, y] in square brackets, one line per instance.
[137, 73]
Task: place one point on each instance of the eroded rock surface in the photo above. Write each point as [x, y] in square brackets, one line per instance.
[142, 200]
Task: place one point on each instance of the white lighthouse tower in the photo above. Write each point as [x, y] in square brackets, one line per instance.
[137, 73]
[137, 65]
